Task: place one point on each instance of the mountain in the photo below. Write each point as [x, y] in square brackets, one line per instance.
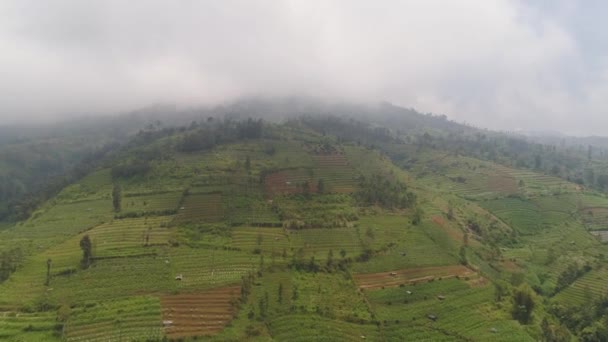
[296, 219]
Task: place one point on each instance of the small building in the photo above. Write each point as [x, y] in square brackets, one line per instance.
[408, 292]
[393, 274]
[432, 317]
[441, 297]
[167, 323]
[179, 277]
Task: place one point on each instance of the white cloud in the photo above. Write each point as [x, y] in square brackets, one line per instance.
[496, 63]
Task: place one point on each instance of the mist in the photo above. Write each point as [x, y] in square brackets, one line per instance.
[498, 64]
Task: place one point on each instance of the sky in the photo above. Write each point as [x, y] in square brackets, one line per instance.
[498, 64]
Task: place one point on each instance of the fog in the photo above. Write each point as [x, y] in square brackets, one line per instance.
[497, 64]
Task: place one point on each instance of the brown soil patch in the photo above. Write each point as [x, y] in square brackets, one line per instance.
[331, 160]
[502, 183]
[411, 276]
[198, 314]
[288, 182]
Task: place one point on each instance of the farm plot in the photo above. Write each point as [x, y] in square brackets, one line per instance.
[133, 319]
[250, 210]
[58, 222]
[154, 203]
[524, 216]
[260, 240]
[415, 246]
[198, 313]
[95, 186]
[321, 211]
[336, 172]
[590, 286]
[317, 328]
[127, 237]
[206, 208]
[448, 306]
[595, 218]
[412, 276]
[293, 181]
[115, 278]
[208, 268]
[335, 295]
[538, 183]
[26, 327]
[318, 242]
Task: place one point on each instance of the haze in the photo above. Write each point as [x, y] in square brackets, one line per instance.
[497, 64]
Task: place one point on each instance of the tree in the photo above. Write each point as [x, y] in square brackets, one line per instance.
[321, 186]
[248, 164]
[117, 197]
[87, 251]
[48, 272]
[523, 304]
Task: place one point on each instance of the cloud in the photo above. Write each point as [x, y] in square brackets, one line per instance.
[499, 64]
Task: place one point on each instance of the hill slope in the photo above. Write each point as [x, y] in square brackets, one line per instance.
[246, 229]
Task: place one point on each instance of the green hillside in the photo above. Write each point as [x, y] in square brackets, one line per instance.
[231, 230]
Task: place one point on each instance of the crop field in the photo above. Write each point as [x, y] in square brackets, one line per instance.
[206, 208]
[127, 237]
[411, 276]
[588, 287]
[208, 268]
[290, 182]
[335, 295]
[250, 210]
[538, 183]
[336, 172]
[261, 240]
[151, 203]
[524, 216]
[56, 223]
[95, 186]
[460, 312]
[26, 327]
[317, 328]
[322, 211]
[198, 313]
[318, 242]
[414, 246]
[115, 278]
[136, 318]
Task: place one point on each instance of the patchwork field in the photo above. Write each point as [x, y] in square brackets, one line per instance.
[198, 313]
[412, 276]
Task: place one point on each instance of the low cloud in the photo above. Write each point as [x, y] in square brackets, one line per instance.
[498, 64]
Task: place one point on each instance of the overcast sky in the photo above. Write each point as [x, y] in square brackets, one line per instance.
[493, 63]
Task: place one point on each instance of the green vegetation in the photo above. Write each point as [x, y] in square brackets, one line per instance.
[322, 228]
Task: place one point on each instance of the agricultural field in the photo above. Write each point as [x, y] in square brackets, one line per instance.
[154, 203]
[281, 238]
[447, 309]
[201, 208]
[198, 313]
[585, 289]
[136, 318]
[412, 276]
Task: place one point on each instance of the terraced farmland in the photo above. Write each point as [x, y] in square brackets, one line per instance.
[133, 319]
[261, 240]
[411, 276]
[26, 327]
[209, 268]
[205, 208]
[317, 328]
[198, 313]
[458, 311]
[590, 286]
[336, 172]
[154, 203]
[319, 242]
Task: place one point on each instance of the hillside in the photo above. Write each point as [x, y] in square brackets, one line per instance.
[312, 228]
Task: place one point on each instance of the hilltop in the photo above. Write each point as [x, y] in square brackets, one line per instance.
[319, 222]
